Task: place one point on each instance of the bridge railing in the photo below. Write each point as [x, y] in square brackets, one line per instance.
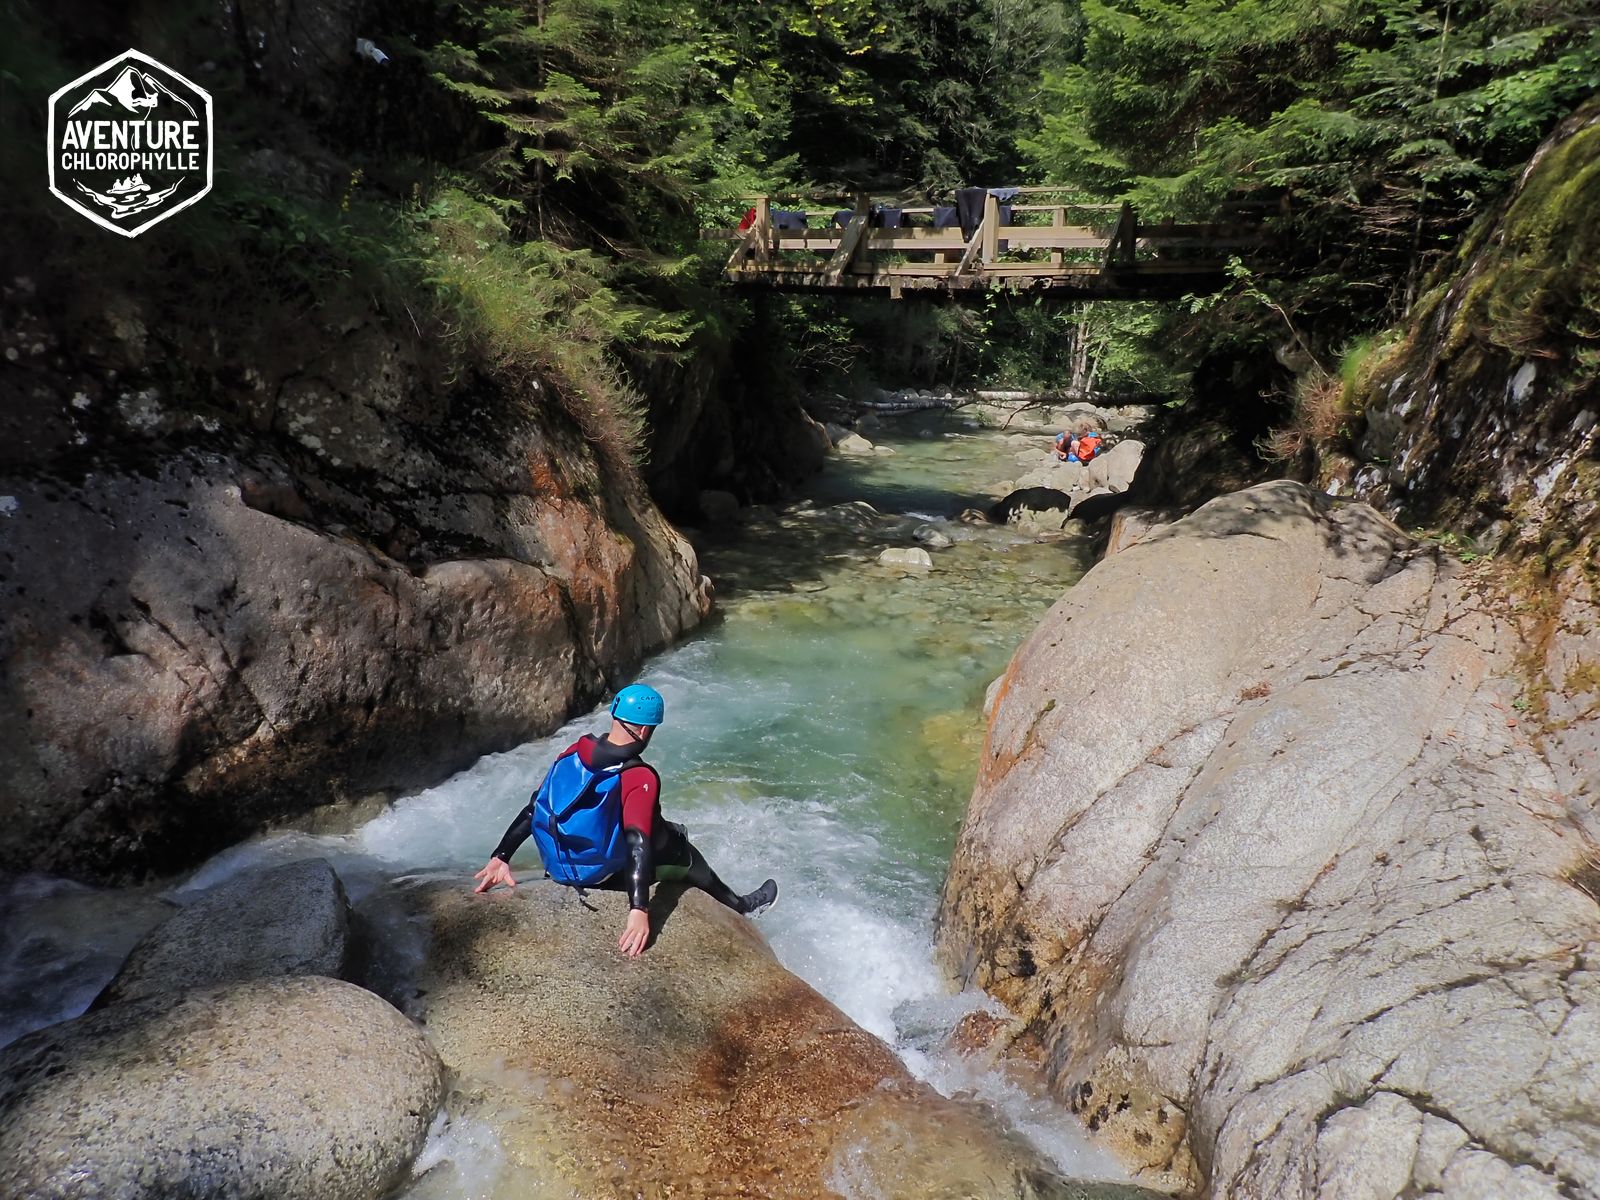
[1033, 236]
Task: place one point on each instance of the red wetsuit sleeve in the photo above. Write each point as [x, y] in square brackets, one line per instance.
[641, 799]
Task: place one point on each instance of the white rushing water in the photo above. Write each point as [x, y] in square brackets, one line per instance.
[823, 731]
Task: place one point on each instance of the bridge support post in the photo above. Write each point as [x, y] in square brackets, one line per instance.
[991, 230]
[763, 229]
[1124, 240]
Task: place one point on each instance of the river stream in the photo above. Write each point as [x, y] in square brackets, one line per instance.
[823, 728]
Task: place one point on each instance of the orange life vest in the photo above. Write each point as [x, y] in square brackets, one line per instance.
[1088, 447]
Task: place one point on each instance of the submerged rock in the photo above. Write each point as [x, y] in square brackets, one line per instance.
[297, 1089]
[933, 538]
[1279, 884]
[902, 556]
[703, 1065]
[854, 443]
[288, 920]
[853, 514]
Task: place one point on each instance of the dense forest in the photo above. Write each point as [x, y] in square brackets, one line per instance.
[540, 169]
[1376, 128]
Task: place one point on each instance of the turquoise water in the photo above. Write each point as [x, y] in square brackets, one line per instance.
[823, 728]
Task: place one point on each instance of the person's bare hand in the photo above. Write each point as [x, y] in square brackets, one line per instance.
[495, 871]
[635, 934]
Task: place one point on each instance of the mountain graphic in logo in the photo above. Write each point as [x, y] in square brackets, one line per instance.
[134, 91]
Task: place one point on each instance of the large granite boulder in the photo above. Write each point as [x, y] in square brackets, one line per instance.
[1288, 898]
[1129, 525]
[298, 1089]
[1115, 469]
[288, 920]
[701, 1067]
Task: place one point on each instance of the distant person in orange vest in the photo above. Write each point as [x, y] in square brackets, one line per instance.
[1086, 445]
[1079, 447]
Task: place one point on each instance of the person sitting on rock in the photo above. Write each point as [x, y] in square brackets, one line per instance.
[1086, 445]
[1064, 441]
[596, 820]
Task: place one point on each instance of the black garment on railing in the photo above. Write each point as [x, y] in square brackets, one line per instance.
[969, 208]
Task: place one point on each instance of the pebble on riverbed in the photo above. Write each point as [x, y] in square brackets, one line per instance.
[902, 556]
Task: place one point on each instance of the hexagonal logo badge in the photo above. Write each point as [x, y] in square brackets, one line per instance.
[130, 143]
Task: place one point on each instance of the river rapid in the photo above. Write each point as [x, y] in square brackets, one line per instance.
[822, 728]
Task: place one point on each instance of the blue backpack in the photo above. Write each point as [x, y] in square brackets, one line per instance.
[577, 821]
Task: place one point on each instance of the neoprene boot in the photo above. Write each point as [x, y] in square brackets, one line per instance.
[754, 903]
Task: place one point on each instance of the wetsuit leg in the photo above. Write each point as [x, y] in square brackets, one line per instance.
[677, 858]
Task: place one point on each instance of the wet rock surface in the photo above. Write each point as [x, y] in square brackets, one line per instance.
[903, 556]
[305, 1089]
[288, 920]
[702, 1066]
[1313, 917]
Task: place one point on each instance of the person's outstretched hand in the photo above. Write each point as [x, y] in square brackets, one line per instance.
[495, 871]
[636, 933]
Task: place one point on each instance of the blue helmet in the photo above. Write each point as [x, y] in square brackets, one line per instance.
[638, 704]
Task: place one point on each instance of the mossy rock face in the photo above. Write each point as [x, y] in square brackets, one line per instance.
[1481, 417]
[1543, 267]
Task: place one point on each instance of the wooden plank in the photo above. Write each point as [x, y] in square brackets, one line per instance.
[741, 252]
[930, 240]
[991, 223]
[939, 270]
[969, 256]
[808, 239]
[762, 229]
[853, 234]
[926, 240]
[1058, 221]
[1034, 237]
[1038, 269]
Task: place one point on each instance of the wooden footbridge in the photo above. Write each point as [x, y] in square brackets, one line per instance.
[1016, 239]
